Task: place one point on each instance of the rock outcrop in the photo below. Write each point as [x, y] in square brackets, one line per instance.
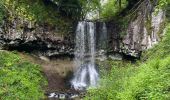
[45, 39]
[141, 37]
[31, 37]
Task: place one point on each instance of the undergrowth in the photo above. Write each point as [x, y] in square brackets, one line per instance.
[20, 80]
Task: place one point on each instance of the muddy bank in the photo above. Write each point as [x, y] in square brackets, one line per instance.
[57, 71]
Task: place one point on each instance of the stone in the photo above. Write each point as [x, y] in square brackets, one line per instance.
[51, 95]
[44, 58]
[115, 57]
[62, 96]
[72, 96]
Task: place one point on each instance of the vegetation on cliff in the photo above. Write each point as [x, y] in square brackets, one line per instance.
[37, 12]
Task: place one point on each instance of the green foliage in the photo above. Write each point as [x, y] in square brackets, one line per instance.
[77, 9]
[151, 82]
[148, 79]
[82, 7]
[45, 11]
[19, 80]
[111, 83]
[2, 13]
[162, 4]
[37, 11]
[28, 10]
[70, 8]
[111, 8]
[90, 6]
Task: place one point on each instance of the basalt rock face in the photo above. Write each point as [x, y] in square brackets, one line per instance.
[114, 39]
[31, 37]
[45, 39]
[143, 35]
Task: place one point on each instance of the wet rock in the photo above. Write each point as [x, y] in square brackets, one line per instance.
[63, 96]
[52, 95]
[56, 96]
[72, 96]
[115, 56]
[101, 55]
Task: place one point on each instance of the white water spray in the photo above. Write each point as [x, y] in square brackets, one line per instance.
[86, 74]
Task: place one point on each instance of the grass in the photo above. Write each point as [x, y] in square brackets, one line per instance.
[19, 79]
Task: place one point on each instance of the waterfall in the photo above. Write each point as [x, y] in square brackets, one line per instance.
[86, 74]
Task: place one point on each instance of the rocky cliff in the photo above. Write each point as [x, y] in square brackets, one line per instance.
[27, 36]
[143, 35]
[142, 32]
[43, 39]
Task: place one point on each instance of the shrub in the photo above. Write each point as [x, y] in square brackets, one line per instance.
[151, 82]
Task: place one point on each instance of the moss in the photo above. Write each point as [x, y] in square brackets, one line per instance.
[2, 13]
[161, 29]
[148, 25]
[122, 24]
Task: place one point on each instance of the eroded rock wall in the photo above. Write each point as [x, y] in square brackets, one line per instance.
[32, 37]
[141, 37]
[47, 41]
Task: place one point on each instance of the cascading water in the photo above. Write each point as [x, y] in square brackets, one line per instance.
[86, 74]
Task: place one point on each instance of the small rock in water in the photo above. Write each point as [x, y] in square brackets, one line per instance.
[56, 96]
[62, 96]
[52, 95]
[73, 96]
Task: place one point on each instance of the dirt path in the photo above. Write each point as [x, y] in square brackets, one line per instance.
[57, 71]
